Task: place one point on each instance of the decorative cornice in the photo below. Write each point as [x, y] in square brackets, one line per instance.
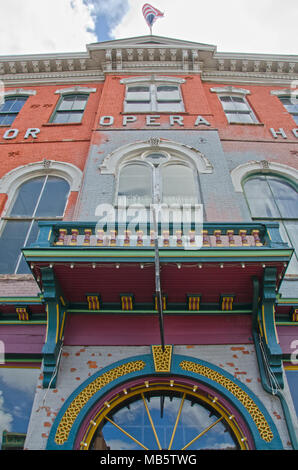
[147, 54]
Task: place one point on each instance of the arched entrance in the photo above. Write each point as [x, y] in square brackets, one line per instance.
[163, 401]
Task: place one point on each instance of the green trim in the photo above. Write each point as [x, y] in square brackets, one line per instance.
[27, 300]
[20, 322]
[112, 255]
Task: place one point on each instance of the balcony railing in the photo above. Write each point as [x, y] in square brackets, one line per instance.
[210, 235]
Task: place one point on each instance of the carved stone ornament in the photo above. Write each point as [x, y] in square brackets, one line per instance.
[154, 141]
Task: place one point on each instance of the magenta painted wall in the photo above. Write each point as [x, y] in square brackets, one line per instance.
[133, 330]
[19, 339]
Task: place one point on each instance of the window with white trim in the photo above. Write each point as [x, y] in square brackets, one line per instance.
[237, 109]
[235, 104]
[40, 198]
[155, 95]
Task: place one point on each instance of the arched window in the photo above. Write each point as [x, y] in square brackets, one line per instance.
[165, 419]
[178, 184]
[157, 180]
[273, 198]
[36, 199]
[135, 184]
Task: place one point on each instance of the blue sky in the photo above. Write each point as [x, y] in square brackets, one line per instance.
[35, 26]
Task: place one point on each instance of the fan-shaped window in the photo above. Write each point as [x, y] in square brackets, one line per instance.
[273, 198]
[39, 198]
[164, 419]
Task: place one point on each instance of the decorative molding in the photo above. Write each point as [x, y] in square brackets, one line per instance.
[285, 92]
[75, 89]
[249, 168]
[152, 79]
[19, 91]
[90, 396]
[12, 180]
[178, 152]
[230, 90]
[162, 358]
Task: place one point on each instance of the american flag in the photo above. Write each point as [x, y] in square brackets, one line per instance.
[151, 14]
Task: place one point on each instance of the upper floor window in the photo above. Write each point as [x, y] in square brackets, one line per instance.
[70, 109]
[157, 180]
[235, 105]
[237, 110]
[272, 198]
[37, 199]
[291, 105]
[153, 95]
[10, 109]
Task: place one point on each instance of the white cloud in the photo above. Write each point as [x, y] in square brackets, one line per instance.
[34, 26]
[5, 418]
[232, 25]
[23, 380]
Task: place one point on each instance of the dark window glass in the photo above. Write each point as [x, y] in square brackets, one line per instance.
[292, 378]
[10, 109]
[44, 196]
[270, 197]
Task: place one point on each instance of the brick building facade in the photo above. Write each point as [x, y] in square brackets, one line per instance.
[125, 340]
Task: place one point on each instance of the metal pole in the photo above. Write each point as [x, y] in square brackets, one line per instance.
[157, 281]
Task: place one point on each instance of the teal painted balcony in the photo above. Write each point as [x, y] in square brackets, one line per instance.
[210, 235]
[85, 241]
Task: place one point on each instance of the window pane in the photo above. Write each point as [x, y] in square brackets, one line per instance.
[7, 119]
[168, 93]
[54, 197]
[12, 240]
[245, 118]
[22, 266]
[138, 93]
[80, 102]
[17, 393]
[137, 107]
[285, 196]
[239, 104]
[292, 378]
[13, 104]
[74, 117]
[260, 198]
[288, 232]
[68, 117]
[178, 185]
[17, 104]
[67, 103]
[135, 184]
[60, 118]
[27, 197]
